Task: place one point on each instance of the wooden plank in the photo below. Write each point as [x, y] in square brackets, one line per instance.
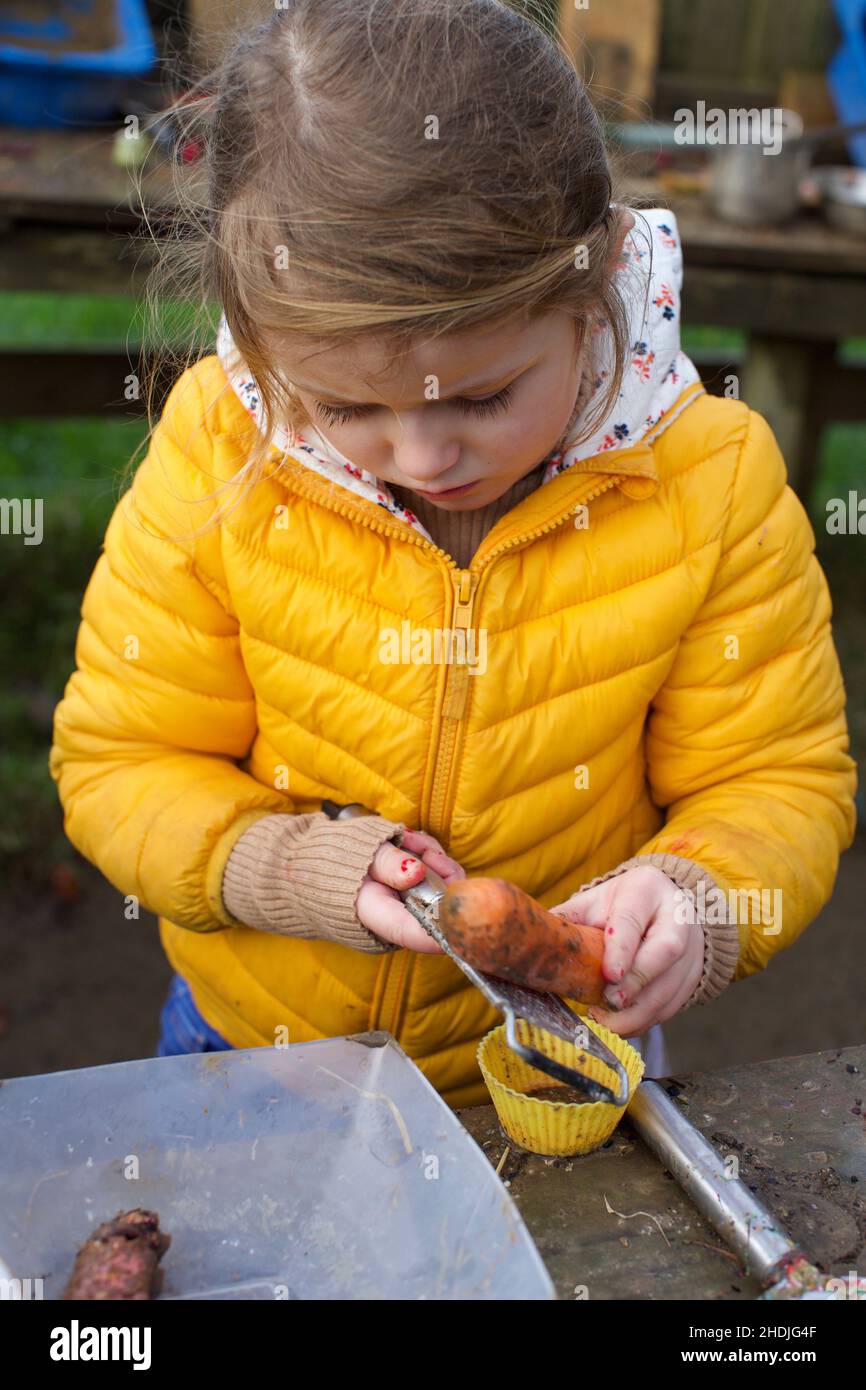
[615, 47]
[779, 382]
[808, 94]
[76, 382]
[799, 34]
[80, 382]
[805, 247]
[56, 384]
[808, 243]
[674, 35]
[34, 257]
[752, 40]
[756, 27]
[841, 390]
[213, 24]
[70, 175]
[790, 1125]
[791, 306]
[71, 178]
[675, 90]
[71, 261]
[685, 42]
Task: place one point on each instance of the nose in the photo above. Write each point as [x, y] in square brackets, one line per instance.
[424, 454]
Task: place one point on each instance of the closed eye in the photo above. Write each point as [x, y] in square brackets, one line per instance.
[484, 405]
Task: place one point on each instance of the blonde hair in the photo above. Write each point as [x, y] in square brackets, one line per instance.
[419, 166]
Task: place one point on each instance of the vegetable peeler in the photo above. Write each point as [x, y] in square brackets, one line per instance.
[544, 1010]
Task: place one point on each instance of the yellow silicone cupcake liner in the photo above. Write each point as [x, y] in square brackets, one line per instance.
[552, 1127]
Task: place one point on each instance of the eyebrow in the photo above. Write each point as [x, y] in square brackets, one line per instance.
[507, 377]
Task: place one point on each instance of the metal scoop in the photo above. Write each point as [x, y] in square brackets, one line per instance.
[543, 1010]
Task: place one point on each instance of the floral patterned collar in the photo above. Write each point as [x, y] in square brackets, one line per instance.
[657, 372]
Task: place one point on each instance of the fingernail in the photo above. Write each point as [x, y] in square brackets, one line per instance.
[407, 865]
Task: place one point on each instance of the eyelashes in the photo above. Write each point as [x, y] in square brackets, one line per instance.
[487, 405]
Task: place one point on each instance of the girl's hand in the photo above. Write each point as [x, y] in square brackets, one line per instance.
[378, 905]
[653, 953]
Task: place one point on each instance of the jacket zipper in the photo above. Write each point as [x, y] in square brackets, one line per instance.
[467, 585]
[389, 1001]
[454, 694]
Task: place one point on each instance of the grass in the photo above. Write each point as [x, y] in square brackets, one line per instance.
[77, 466]
[55, 322]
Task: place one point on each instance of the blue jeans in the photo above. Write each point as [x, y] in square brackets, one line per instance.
[182, 1028]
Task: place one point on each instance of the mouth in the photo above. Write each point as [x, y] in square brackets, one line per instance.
[444, 492]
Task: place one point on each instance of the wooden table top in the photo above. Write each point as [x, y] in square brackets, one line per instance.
[69, 176]
[801, 1147]
[806, 244]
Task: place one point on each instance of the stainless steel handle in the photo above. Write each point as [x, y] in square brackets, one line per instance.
[743, 1222]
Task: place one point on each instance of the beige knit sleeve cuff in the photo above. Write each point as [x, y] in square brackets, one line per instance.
[300, 876]
[721, 938]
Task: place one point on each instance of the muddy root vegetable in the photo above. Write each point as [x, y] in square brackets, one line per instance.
[121, 1259]
[496, 927]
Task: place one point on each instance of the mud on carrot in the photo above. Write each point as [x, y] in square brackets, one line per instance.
[496, 927]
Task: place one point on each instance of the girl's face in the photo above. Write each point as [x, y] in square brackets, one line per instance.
[461, 419]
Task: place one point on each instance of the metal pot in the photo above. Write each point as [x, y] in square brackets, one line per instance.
[844, 197]
[756, 183]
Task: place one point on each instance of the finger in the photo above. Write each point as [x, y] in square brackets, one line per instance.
[646, 1010]
[419, 840]
[395, 867]
[432, 853]
[607, 908]
[631, 909]
[658, 1002]
[663, 944]
[623, 911]
[588, 907]
[381, 912]
[442, 864]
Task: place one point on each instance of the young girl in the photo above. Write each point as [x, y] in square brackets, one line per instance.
[446, 527]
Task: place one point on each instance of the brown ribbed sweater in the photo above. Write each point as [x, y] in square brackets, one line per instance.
[299, 875]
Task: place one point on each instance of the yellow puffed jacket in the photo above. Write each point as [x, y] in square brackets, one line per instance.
[661, 679]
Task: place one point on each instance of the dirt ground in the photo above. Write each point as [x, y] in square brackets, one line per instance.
[81, 985]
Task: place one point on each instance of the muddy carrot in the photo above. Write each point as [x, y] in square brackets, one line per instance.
[495, 926]
[120, 1260]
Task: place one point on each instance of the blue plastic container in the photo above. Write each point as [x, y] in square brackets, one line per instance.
[41, 87]
[846, 74]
